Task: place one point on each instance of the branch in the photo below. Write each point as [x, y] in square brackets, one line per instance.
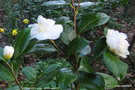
[57, 47]
[14, 76]
[75, 13]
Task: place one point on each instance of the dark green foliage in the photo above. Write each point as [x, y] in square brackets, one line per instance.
[77, 45]
[21, 42]
[117, 67]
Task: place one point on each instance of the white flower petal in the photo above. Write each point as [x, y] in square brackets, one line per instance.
[41, 36]
[117, 43]
[55, 32]
[32, 25]
[40, 19]
[46, 22]
[45, 29]
[50, 23]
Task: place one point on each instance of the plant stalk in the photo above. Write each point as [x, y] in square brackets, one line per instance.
[75, 14]
[14, 76]
[57, 47]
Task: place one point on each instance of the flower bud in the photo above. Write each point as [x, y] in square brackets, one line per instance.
[8, 52]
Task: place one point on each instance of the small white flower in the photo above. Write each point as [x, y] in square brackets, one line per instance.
[117, 43]
[8, 52]
[45, 29]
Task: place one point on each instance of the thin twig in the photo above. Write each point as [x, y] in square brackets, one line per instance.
[76, 57]
[74, 16]
[62, 53]
[36, 81]
[75, 13]
[71, 87]
[57, 47]
[75, 23]
[78, 6]
[77, 86]
[73, 5]
[14, 76]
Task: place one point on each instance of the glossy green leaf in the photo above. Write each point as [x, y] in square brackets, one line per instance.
[91, 81]
[89, 21]
[30, 46]
[50, 68]
[5, 72]
[64, 20]
[105, 31]
[51, 71]
[17, 63]
[86, 4]
[43, 48]
[60, 2]
[29, 72]
[46, 78]
[21, 42]
[85, 66]
[68, 34]
[99, 47]
[66, 76]
[14, 88]
[1, 52]
[110, 82]
[77, 45]
[85, 51]
[117, 67]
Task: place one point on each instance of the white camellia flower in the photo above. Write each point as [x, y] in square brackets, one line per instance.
[117, 43]
[8, 52]
[45, 29]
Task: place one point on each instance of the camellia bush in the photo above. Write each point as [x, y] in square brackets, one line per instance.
[73, 69]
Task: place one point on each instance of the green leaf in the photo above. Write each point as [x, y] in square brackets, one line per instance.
[31, 44]
[29, 72]
[86, 4]
[17, 63]
[21, 42]
[105, 31]
[14, 88]
[51, 71]
[89, 21]
[66, 76]
[61, 2]
[68, 34]
[5, 72]
[110, 82]
[63, 20]
[77, 45]
[99, 47]
[85, 51]
[117, 67]
[43, 48]
[46, 78]
[85, 66]
[50, 68]
[90, 81]
[1, 52]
